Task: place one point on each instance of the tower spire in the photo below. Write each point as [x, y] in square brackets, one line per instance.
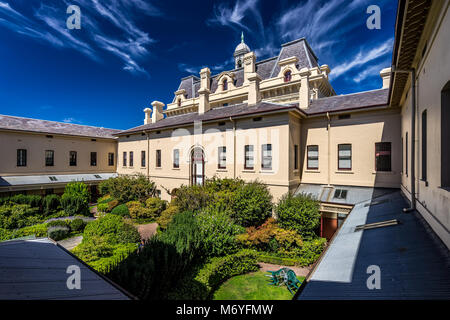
[242, 36]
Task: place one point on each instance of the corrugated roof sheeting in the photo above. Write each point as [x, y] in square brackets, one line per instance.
[36, 270]
[45, 179]
[412, 264]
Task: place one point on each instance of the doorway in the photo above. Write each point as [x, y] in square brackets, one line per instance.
[197, 166]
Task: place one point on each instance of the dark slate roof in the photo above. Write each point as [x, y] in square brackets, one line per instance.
[349, 102]
[53, 127]
[413, 262]
[36, 269]
[238, 110]
[267, 68]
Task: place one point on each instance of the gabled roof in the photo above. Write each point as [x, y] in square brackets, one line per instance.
[53, 127]
[266, 69]
[347, 102]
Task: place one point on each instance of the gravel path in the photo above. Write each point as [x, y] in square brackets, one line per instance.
[70, 243]
[147, 230]
[299, 271]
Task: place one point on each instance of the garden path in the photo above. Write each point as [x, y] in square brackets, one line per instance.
[147, 230]
[70, 243]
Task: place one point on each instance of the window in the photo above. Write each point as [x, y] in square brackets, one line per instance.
[72, 158]
[222, 162]
[340, 194]
[225, 84]
[445, 136]
[158, 158]
[406, 154]
[143, 158]
[131, 158]
[49, 158]
[266, 156]
[383, 156]
[287, 76]
[176, 158]
[21, 157]
[344, 157]
[124, 161]
[239, 64]
[93, 158]
[424, 145]
[313, 157]
[110, 159]
[295, 157]
[179, 102]
[248, 164]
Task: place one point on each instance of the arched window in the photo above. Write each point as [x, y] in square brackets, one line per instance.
[239, 64]
[225, 84]
[179, 102]
[287, 76]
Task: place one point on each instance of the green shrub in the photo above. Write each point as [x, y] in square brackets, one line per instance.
[18, 216]
[58, 233]
[166, 216]
[74, 204]
[119, 253]
[299, 213]
[105, 199]
[192, 198]
[277, 260]
[112, 204]
[155, 206]
[51, 203]
[4, 200]
[214, 273]
[121, 210]
[218, 231]
[79, 189]
[59, 223]
[37, 230]
[102, 207]
[97, 247]
[113, 228]
[311, 251]
[33, 201]
[137, 209]
[77, 225]
[252, 204]
[128, 188]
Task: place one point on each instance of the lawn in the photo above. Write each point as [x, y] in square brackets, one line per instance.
[252, 286]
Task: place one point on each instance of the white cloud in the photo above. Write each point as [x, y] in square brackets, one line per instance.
[362, 57]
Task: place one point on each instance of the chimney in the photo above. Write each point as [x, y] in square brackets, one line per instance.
[148, 116]
[157, 111]
[386, 76]
[304, 88]
[205, 78]
[249, 65]
[254, 95]
[203, 92]
[203, 104]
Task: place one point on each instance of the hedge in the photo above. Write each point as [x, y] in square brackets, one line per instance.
[214, 273]
[58, 233]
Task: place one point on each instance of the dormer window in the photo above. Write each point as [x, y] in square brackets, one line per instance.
[225, 85]
[287, 76]
[179, 102]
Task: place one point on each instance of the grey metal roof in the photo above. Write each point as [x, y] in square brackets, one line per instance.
[53, 127]
[7, 181]
[36, 270]
[355, 194]
[348, 102]
[414, 264]
[218, 113]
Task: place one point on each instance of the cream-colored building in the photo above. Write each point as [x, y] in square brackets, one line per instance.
[280, 121]
[41, 156]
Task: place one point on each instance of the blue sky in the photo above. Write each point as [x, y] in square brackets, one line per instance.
[131, 52]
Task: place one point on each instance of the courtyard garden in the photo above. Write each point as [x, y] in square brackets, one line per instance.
[207, 243]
